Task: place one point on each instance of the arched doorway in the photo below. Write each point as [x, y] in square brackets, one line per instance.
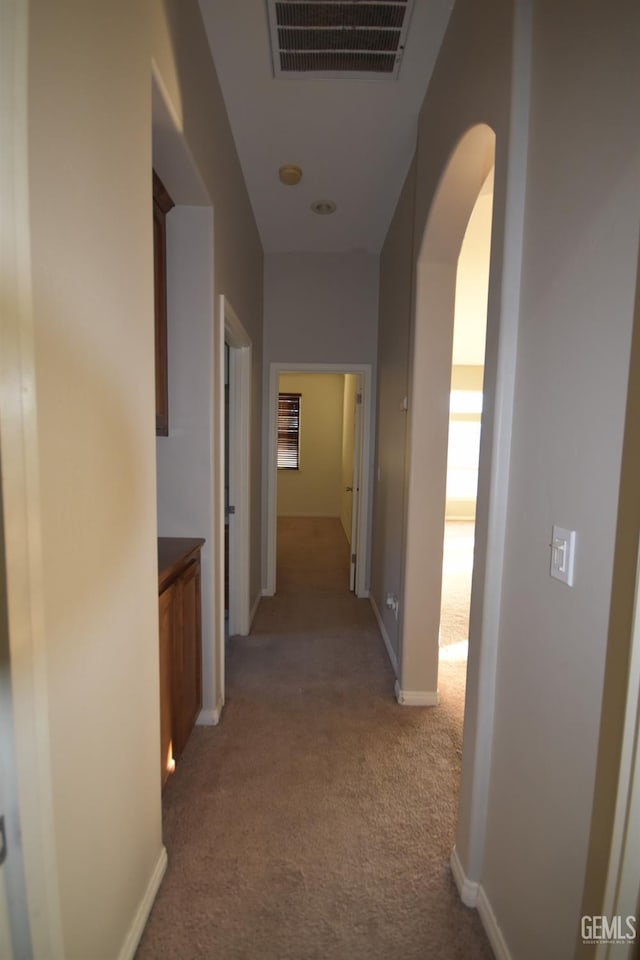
[434, 301]
[465, 423]
[435, 290]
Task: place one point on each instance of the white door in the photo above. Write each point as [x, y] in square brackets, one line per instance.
[357, 471]
[236, 462]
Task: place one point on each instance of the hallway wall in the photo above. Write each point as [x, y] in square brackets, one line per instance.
[182, 58]
[91, 248]
[577, 295]
[578, 292]
[318, 308]
[185, 458]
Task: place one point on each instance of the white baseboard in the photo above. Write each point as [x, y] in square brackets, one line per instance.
[136, 929]
[254, 609]
[266, 592]
[416, 698]
[467, 889]
[210, 718]
[473, 895]
[491, 928]
[385, 636]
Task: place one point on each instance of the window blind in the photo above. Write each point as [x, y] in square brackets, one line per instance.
[288, 431]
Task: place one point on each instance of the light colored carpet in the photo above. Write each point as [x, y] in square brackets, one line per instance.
[316, 822]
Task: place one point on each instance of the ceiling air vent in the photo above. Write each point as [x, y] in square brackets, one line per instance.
[340, 39]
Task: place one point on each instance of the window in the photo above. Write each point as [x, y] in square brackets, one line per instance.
[288, 431]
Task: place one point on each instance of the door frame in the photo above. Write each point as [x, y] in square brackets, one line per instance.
[238, 340]
[356, 480]
[621, 890]
[365, 370]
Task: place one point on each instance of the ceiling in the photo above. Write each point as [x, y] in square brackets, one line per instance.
[353, 139]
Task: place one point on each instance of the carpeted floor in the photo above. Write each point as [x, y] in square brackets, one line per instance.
[317, 820]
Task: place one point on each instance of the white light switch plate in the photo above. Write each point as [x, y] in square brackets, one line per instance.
[563, 548]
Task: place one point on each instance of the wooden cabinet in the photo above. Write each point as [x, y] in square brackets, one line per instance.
[162, 204]
[180, 645]
[167, 616]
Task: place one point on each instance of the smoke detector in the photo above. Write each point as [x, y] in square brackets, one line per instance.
[290, 174]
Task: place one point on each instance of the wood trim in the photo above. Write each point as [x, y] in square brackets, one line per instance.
[162, 204]
[161, 195]
[174, 553]
[180, 645]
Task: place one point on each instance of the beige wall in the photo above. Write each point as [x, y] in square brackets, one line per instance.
[90, 163]
[90, 157]
[578, 290]
[396, 279]
[315, 489]
[467, 377]
[319, 308]
[183, 62]
[620, 633]
[577, 293]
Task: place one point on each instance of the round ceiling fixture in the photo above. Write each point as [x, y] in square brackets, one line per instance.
[323, 207]
[290, 174]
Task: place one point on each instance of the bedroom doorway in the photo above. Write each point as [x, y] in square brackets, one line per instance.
[319, 460]
[352, 473]
[465, 421]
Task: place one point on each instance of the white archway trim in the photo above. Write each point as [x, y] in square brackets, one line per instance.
[479, 708]
[275, 369]
[430, 385]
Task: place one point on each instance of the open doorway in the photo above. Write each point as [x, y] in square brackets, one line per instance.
[435, 298]
[318, 476]
[460, 183]
[465, 413]
[327, 410]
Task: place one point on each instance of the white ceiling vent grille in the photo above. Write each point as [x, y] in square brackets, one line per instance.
[340, 39]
